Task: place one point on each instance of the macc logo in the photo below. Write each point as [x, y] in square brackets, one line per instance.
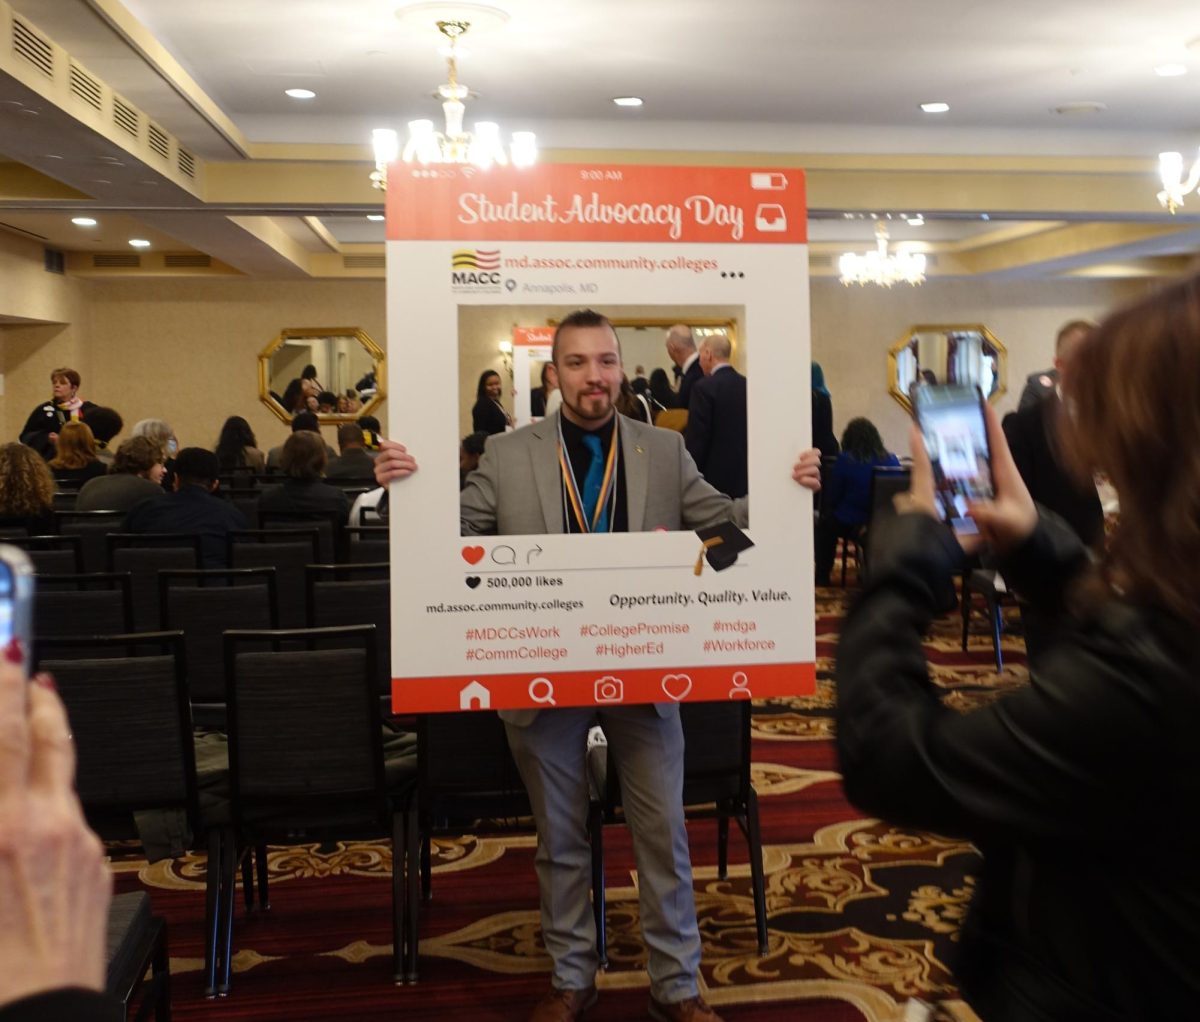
[475, 268]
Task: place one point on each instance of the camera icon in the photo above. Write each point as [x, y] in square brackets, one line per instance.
[609, 690]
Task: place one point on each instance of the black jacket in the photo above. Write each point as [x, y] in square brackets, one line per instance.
[69, 1004]
[190, 510]
[716, 430]
[1079, 788]
[45, 419]
[823, 437]
[687, 380]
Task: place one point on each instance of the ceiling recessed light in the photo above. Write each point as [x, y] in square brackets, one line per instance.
[139, 242]
[935, 108]
[83, 221]
[628, 101]
[985, 216]
[916, 221]
[300, 93]
[375, 216]
[1170, 70]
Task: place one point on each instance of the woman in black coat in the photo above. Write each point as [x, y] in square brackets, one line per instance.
[1059, 782]
[488, 416]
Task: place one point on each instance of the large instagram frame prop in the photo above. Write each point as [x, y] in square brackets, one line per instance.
[505, 622]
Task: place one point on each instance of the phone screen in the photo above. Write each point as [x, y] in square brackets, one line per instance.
[16, 597]
[951, 421]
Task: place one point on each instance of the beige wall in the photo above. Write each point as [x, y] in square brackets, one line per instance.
[852, 329]
[187, 350]
[42, 326]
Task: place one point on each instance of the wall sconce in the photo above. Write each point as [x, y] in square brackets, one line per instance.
[506, 350]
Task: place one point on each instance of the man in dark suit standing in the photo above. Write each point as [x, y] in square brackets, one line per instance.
[716, 428]
[1033, 433]
[681, 349]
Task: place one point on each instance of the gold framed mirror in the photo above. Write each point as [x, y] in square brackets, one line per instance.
[339, 366]
[963, 353]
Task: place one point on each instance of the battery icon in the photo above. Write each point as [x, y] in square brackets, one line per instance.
[763, 181]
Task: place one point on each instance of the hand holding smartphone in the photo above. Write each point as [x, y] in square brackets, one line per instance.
[955, 435]
[16, 600]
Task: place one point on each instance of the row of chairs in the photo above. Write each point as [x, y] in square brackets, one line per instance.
[886, 482]
[307, 762]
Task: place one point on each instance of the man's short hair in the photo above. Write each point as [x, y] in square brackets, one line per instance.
[474, 443]
[327, 397]
[63, 373]
[1076, 326]
[584, 319]
[718, 346]
[307, 421]
[349, 434]
[197, 466]
[303, 456]
[681, 334]
[106, 423]
[371, 423]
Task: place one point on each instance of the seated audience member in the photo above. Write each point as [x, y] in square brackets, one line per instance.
[162, 434]
[1101, 742]
[302, 462]
[238, 448]
[348, 403]
[631, 404]
[661, 394]
[327, 402]
[192, 508]
[367, 385]
[371, 430]
[136, 475]
[26, 490]
[846, 504]
[75, 461]
[55, 883]
[469, 453]
[45, 422]
[354, 462]
[105, 424]
[306, 421]
[370, 508]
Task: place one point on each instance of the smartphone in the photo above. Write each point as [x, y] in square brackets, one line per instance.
[16, 599]
[955, 431]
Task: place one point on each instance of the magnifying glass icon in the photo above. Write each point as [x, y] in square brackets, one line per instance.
[541, 690]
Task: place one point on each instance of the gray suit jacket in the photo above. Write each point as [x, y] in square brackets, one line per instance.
[517, 490]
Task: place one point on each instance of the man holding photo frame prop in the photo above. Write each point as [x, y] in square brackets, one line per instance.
[629, 487]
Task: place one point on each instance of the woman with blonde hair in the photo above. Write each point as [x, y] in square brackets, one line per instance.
[1059, 782]
[26, 490]
[75, 461]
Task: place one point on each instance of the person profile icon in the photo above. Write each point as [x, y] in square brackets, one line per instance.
[741, 686]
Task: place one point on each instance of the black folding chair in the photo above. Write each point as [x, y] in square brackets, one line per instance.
[52, 555]
[95, 604]
[368, 544]
[355, 594]
[205, 604]
[132, 729]
[306, 754]
[330, 542]
[144, 555]
[91, 527]
[288, 551]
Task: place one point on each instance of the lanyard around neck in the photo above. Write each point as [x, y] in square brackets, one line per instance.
[607, 485]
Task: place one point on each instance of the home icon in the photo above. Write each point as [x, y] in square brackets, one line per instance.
[474, 697]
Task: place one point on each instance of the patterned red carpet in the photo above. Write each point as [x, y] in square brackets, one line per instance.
[862, 915]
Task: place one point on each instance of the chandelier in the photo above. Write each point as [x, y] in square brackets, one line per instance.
[481, 147]
[881, 266]
[1170, 169]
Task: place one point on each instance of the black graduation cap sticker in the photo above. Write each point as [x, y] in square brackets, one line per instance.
[722, 544]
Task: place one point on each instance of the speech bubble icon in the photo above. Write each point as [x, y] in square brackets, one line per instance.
[510, 284]
[504, 554]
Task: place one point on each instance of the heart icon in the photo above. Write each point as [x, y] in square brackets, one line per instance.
[472, 581]
[676, 686]
[473, 554]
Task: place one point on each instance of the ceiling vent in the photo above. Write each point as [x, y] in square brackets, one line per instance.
[33, 47]
[187, 163]
[116, 261]
[159, 141]
[125, 117]
[85, 87]
[53, 260]
[186, 261]
[363, 262]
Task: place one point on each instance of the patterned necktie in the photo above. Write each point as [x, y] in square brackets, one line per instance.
[593, 481]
